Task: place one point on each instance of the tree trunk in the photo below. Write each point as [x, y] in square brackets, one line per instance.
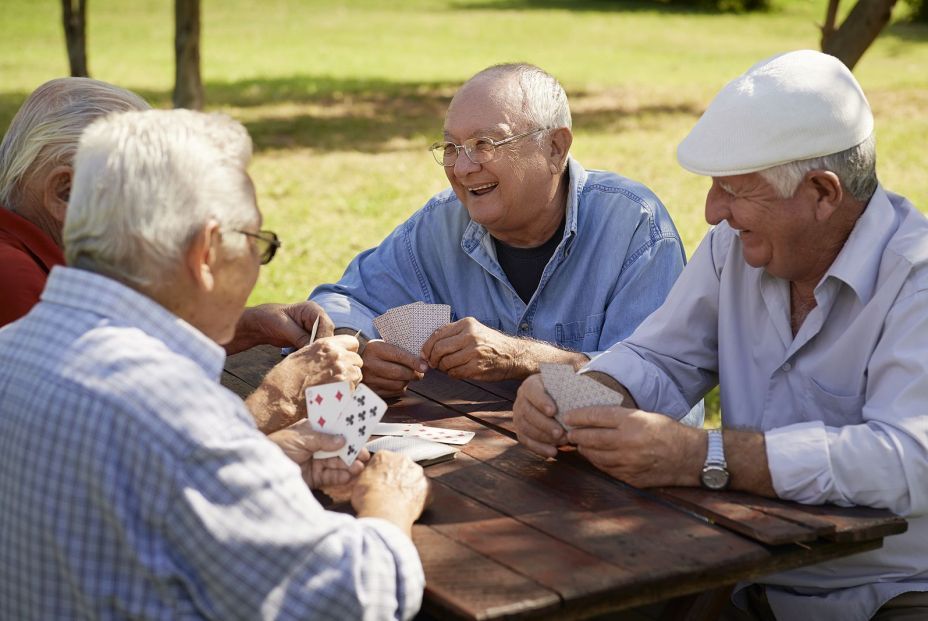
[861, 27]
[188, 88]
[73, 14]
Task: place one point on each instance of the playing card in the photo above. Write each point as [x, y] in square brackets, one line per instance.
[439, 434]
[411, 325]
[357, 422]
[421, 451]
[571, 391]
[325, 402]
[395, 429]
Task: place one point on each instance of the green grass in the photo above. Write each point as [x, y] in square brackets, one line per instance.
[341, 98]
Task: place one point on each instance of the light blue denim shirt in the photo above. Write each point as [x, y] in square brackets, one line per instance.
[619, 257]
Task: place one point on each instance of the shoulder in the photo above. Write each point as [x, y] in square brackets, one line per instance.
[21, 282]
[164, 395]
[443, 216]
[910, 242]
[608, 196]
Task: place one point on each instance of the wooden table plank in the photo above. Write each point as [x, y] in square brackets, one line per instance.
[748, 514]
[461, 583]
[467, 399]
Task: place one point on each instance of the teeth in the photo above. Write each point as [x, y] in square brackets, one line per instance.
[482, 187]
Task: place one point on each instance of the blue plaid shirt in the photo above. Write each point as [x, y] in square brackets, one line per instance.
[132, 485]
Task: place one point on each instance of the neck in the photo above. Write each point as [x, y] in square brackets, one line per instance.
[544, 224]
[41, 219]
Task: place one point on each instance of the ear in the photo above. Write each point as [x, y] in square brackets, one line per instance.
[827, 192]
[559, 147]
[56, 191]
[201, 255]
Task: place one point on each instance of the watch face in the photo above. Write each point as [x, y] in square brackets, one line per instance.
[715, 477]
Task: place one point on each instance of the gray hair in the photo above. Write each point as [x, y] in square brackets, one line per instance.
[855, 167]
[544, 100]
[45, 130]
[146, 182]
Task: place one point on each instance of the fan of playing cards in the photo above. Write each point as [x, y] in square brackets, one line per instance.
[336, 409]
[410, 326]
[571, 391]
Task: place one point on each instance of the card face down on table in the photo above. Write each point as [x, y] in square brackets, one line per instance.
[336, 409]
[571, 391]
[411, 325]
[423, 452]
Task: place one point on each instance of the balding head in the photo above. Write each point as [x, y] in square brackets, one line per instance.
[44, 135]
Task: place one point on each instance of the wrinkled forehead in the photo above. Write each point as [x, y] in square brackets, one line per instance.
[492, 107]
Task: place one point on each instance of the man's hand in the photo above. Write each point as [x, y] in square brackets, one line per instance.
[279, 400]
[299, 442]
[391, 487]
[641, 448]
[282, 325]
[388, 369]
[470, 350]
[533, 415]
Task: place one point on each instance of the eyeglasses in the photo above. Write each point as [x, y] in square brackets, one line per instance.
[478, 150]
[267, 243]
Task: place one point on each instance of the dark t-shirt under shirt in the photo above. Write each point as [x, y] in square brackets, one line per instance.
[524, 266]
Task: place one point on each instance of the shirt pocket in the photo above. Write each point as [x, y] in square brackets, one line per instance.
[580, 335]
[489, 322]
[833, 409]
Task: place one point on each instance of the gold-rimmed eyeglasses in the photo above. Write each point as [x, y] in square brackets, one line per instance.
[478, 150]
[267, 243]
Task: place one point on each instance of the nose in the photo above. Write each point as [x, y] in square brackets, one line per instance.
[717, 205]
[463, 166]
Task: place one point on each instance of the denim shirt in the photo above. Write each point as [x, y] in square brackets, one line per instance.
[617, 261]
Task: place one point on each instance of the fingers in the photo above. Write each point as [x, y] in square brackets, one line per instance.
[441, 334]
[344, 341]
[605, 417]
[381, 350]
[533, 415]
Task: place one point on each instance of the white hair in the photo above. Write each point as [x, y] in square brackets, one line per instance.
[45, 130]
[855, 167]
[544, 100]
[146, 182]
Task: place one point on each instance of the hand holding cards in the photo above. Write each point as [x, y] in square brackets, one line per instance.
[571, 391]
[335, 409]
[410, 326]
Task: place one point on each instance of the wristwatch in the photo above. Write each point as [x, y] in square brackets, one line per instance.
[715, 471]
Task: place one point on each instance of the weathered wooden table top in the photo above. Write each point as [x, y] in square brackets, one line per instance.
[511, 535]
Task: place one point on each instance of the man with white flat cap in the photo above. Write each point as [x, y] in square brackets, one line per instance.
[808, 304]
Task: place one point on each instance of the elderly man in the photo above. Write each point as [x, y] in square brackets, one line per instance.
[133, 484]
[35, 180]
[808, 304]
[540, 259]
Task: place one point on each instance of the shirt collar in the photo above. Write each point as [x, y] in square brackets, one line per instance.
[475, 233]
[33, 239]
[125, 307]
[858, 263]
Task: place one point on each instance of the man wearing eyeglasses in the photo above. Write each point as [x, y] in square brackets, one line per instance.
[540, 259]
[134, 485]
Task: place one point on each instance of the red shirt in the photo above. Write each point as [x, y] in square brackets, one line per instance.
[27, 255]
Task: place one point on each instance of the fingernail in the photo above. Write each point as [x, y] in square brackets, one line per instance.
[423, 366]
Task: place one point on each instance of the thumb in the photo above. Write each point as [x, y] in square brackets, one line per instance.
[325, 442]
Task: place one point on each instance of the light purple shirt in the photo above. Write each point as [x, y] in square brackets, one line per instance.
[844, 404]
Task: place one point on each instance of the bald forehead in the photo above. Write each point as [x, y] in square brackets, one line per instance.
[488, 103]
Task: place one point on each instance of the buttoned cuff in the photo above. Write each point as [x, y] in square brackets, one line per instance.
[799, 462]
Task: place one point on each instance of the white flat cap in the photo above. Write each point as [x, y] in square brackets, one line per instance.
[793, 106]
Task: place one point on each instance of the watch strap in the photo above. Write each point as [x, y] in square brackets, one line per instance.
[716, 449]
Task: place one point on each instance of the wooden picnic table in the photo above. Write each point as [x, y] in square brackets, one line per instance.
[511, 535]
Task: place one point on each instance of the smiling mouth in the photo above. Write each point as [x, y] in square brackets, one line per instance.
[480, 190]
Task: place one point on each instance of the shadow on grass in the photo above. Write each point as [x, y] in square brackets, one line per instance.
[369, 116]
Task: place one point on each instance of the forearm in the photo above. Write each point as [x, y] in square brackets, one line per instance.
[745, 454]
[247, 334]
[533, 353]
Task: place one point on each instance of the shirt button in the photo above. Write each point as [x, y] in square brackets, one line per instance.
[787, 366]
[523, 325]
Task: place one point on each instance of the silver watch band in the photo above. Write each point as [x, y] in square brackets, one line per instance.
[716, 451]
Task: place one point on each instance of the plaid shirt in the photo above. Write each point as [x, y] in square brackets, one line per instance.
[132, 485]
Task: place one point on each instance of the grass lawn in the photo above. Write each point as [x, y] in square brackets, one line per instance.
[342, 97]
